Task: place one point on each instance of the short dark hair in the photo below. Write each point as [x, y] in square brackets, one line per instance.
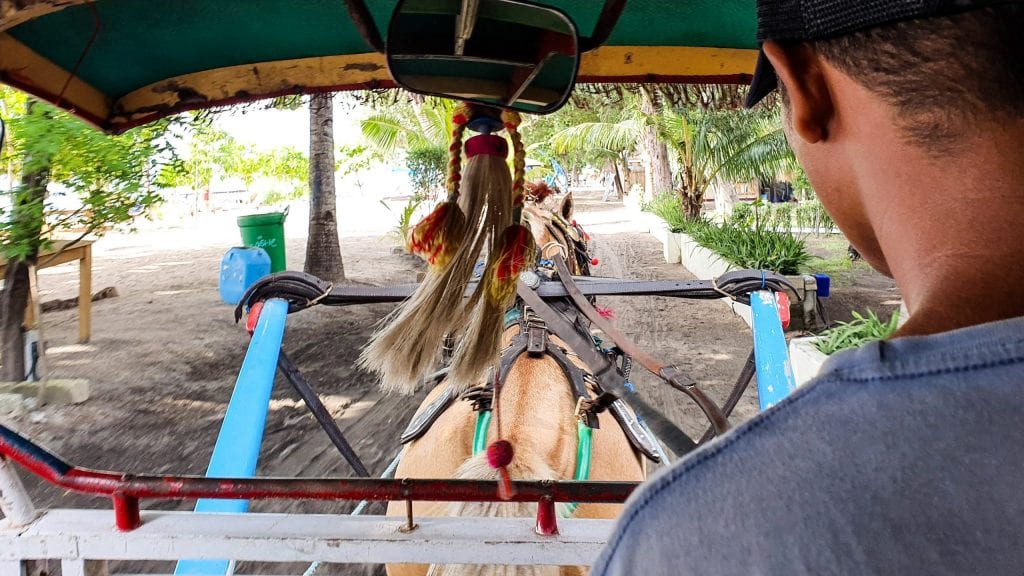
[940, 72]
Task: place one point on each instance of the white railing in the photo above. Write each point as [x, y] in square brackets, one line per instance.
[74, 536]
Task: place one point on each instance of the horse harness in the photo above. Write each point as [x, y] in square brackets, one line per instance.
[533, 340]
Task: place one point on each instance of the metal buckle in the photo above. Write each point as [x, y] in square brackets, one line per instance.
[578, 412]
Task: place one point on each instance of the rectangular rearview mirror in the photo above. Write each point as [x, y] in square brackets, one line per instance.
[504, 53]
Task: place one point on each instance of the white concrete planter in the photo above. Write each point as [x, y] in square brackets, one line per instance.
[703, 263]
[670, 246]
[805, 358]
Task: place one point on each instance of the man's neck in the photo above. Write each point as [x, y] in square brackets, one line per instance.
[952, 231]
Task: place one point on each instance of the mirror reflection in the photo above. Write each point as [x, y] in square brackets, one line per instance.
[499, 52]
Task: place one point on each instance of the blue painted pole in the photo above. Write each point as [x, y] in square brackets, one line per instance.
[238, 445]
[774, 373]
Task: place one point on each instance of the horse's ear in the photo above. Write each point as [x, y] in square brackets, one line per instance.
[565, 207]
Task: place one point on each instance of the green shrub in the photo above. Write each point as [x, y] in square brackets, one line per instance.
[780, 217]
[757, 248]
[810, 214]
[427, 168]
[404, 216]
[669, 208]
[742, 214]
[857, 332]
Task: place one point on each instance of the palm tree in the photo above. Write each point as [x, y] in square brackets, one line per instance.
[705, 144]
[734, 145]
[323, 250]
[414, 123]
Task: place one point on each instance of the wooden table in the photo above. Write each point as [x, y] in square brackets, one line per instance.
[82, 252]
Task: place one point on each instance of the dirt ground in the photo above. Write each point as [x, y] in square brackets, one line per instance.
[855, 285]
[165, 353]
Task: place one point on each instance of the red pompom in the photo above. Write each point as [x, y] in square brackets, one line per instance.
[594, 261]
[606, 313]
[500, 453]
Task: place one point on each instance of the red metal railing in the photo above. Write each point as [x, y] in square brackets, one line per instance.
[125, 490]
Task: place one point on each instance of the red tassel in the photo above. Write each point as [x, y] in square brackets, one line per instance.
[505, 490]
[606, 313]
[516, 254]
[499, 455]
[437, 237]
[538, 191]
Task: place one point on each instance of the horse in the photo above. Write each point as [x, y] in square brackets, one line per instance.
[537, 412]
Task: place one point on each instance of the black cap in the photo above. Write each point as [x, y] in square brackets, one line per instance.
[802, 20]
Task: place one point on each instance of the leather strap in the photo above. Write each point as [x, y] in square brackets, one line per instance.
[578, 381]
[671, 374]
[304, 290]
[605, 372]
[425, 419]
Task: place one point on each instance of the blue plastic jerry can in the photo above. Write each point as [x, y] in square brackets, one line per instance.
[239, 269]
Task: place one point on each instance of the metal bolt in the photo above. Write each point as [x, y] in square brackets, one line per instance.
[409, 524]
[531, 279]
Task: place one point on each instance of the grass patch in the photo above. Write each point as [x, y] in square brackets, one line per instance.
[833, 265]
[857, 332]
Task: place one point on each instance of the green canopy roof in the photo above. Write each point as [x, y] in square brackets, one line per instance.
[120, 63]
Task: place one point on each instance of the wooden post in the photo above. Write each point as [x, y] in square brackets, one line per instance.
[85, 294]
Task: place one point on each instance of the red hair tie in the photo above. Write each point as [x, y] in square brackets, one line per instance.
[487, 144]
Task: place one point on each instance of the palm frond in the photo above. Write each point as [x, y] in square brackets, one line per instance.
[588, 136]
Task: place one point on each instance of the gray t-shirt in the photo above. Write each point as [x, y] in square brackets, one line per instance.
[904, 457]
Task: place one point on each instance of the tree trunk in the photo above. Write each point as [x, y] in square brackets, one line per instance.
[657, 172]
[13, 301]
[323, 251]
[27, 217]
[618, 181]
[726, 197]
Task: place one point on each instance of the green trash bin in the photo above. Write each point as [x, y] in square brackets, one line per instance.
[265, 231]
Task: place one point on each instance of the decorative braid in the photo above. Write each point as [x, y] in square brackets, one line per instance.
[460, 118]
[512, 119]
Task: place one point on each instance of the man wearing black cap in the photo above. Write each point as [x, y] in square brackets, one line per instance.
[905, 456]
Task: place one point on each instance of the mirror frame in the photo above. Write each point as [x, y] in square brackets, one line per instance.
[547, 109]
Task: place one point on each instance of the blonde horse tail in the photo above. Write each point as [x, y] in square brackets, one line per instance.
[477, 468]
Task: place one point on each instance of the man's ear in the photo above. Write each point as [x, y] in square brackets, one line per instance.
[799, 70]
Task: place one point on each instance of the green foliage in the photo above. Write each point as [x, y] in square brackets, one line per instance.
[811, 215]
[427, 168]
[411, 122]
[742, 213]
[353, 160]
[667, 207]
[286, 164]
[111, 176]
[857, 332]
[757, 248]
[405, 216]
[554, 136]
[780, 216]
[211, 154]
